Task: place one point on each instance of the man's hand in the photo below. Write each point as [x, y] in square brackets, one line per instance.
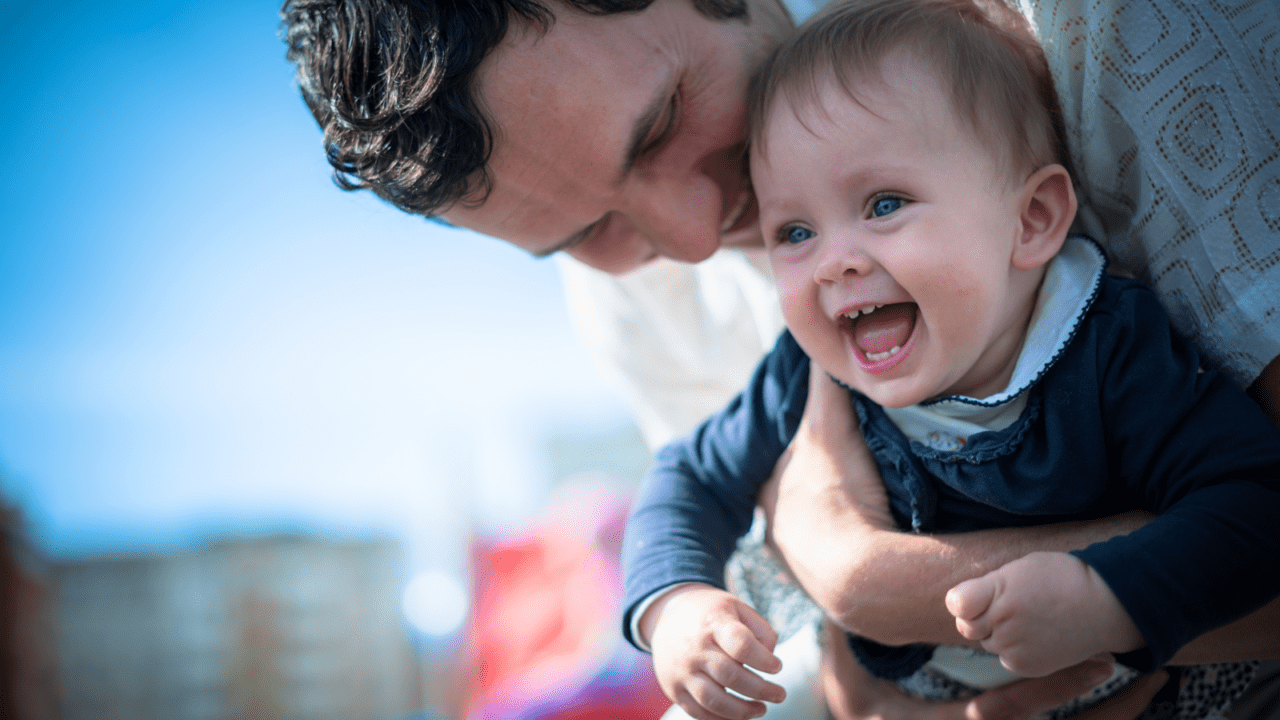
[826, 492]
[703, 640]
[853, 694]
[828, 462]
[1041, 613]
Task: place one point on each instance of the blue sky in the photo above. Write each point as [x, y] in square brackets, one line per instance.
[200, 333]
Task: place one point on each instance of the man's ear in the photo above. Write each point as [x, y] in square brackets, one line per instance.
[1048, 207]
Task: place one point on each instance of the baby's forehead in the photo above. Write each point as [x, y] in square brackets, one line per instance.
[985, 67]
[811, 86]
[899, 85]
[900, 88]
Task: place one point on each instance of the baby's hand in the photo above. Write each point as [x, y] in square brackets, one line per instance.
[1041, 613]
[702, 638]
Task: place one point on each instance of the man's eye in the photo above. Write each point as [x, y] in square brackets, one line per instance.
[795, 234]
[664, 129]
[885, 205]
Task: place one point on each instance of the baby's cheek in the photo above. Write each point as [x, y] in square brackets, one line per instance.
[799, 307]
[823, 342]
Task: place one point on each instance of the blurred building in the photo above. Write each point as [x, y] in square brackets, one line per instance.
[294, 627]
[262, 629]
[28, 663]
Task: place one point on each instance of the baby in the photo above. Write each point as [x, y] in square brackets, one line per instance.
[915, 203]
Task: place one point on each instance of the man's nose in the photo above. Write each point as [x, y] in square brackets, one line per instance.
[681, 220]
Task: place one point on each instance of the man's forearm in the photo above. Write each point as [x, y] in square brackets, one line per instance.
[883, 584]
[1254, 637]
[890, 585]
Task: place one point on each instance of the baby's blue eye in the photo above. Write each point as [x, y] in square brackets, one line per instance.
[885, 205]
[796, 234]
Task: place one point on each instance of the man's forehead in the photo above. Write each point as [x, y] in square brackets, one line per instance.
[550, 113]
[560, 55]
[562, 106]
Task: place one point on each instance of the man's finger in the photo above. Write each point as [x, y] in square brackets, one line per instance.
[1028, 698]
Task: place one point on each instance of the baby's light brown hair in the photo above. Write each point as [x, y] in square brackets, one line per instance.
[982, 51]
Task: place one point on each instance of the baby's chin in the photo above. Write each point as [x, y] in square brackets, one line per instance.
[897, 401]
[888, 394]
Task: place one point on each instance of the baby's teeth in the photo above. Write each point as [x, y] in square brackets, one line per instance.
[864, 311]
[877, 357]
[854, 315]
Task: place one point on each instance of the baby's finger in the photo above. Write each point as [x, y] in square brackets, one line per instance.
[704, 699]
[759, 627]
[741, 644]
[731, 675]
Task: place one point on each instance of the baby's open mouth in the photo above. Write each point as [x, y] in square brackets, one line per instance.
[881, 331]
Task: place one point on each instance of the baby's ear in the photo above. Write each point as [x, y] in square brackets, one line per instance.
[1048, 207]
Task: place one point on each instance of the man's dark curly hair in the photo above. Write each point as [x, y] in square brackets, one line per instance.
[390, 83]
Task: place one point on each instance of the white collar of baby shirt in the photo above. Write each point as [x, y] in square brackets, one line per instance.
[1071, 283]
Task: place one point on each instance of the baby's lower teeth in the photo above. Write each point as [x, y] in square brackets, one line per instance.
[877, 357]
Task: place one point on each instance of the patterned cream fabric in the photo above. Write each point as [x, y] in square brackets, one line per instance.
[1173, 116]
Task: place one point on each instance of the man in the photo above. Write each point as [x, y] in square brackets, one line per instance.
[611, 131]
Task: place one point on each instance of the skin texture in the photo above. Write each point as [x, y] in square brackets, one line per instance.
[576, 94]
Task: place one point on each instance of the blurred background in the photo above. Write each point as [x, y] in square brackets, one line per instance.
[268, 449]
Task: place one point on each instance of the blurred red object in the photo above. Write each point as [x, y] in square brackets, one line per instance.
[546, 629]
